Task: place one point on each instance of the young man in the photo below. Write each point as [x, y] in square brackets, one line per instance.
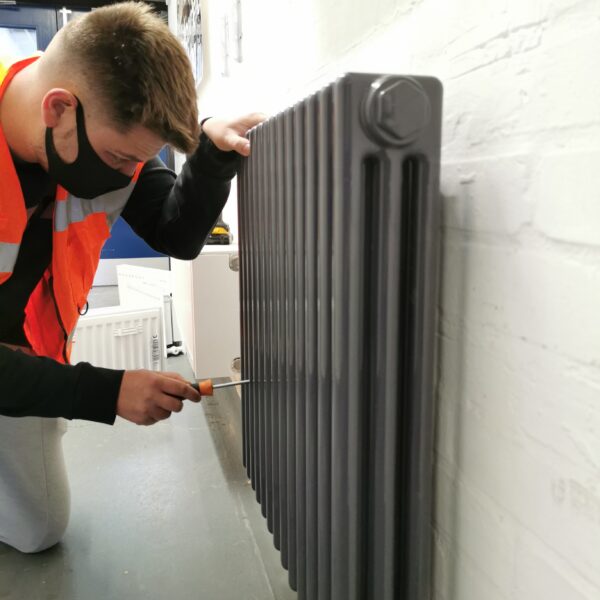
[80, 130]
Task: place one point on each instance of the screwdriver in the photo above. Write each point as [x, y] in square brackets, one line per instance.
[206, 387]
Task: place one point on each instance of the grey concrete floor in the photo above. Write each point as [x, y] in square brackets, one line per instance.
[160, 512]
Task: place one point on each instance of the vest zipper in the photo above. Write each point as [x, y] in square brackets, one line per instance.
[60, 321]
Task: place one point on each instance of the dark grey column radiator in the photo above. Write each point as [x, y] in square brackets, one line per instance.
[339, 220]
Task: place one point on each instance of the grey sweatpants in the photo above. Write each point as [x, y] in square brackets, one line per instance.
[34, 490]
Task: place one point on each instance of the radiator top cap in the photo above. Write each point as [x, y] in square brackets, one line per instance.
[395, 110]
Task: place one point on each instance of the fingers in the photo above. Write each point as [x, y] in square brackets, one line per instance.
[230, 135]
[236, 140]
[162, 409]
[146, 397]
[173, 375]
[240, 144]
[159, 414]
[254, 119]
[180, 388]
[170, 403]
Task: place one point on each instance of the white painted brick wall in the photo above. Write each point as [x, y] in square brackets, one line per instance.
[518, 433]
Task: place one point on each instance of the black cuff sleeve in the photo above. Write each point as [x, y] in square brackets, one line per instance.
[210, 161]
[41, 387]
[97, 395]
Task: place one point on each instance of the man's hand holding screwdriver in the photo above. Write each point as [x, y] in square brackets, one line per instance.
[147, 397]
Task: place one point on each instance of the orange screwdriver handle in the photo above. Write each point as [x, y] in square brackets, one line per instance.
[205, 387]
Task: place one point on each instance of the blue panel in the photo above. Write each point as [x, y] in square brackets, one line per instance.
[42, 20]
[164, 155]
[124, 243]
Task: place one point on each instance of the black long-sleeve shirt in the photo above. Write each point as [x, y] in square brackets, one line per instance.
[172, 214]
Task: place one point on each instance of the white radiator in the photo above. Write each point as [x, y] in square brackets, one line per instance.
[143, 287]
[119, 337]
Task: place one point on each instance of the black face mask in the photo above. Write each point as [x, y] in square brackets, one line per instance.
[88, 176]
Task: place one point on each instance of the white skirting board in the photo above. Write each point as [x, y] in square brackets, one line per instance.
[119, 337]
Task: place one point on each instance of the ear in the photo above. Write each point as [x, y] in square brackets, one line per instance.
[56, 104]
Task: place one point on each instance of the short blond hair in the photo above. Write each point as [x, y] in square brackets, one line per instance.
[134, 64]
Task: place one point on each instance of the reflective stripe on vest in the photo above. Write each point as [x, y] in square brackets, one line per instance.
[8, 256]
[13, 214]
[75, 210]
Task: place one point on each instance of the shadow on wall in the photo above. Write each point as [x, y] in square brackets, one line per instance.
[449, 439]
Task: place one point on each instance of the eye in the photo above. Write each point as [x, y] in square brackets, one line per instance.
[114, 160]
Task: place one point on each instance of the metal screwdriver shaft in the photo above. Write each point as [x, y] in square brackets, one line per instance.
[230, 384]
[206, 387]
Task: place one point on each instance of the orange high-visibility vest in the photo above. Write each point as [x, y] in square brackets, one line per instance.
[80, 228]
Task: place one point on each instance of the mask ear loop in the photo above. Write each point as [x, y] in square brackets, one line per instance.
[81, 133]
[82, 137]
